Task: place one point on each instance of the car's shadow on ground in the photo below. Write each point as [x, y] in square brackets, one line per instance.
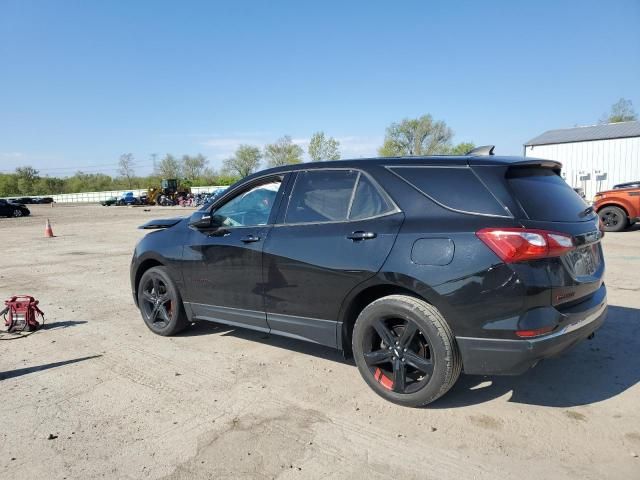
[593, 371]
[299, 346]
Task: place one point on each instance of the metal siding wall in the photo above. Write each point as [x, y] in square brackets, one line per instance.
[618, 158]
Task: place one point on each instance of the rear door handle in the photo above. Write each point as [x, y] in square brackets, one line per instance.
[250, 239]
[359, 235]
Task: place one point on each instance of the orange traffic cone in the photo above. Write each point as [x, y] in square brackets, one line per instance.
[48, 232]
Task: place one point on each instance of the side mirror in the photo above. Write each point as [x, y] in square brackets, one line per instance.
[200, 220]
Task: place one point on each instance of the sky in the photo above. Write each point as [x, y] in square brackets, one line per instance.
[82, 82]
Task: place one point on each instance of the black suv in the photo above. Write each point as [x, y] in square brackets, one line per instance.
[421, 267]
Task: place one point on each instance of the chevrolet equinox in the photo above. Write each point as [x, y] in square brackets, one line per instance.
[420, 267]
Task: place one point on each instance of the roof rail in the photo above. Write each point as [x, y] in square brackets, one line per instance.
[481, 151]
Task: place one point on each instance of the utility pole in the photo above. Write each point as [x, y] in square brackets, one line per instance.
[154, 158]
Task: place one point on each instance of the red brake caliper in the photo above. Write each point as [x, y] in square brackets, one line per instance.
[383, 380]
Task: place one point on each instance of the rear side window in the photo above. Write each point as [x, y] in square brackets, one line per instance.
[455, 188]
[368, 201]
[321, 196]
[543, 195]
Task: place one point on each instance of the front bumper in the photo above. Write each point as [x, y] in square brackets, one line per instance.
[489, 356]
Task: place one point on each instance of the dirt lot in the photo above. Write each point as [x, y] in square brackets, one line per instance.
[220, 403]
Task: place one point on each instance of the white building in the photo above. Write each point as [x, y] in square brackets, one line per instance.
[593, 158]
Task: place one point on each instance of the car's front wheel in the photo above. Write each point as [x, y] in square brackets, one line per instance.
[160, 303]
[405, 350]
[17, 212]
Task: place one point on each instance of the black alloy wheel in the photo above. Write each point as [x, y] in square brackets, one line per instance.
[398, 355]
[160, 303]
[613, 219]
[17, 213]
[405, 350]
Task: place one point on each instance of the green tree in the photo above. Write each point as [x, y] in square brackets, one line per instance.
[323, 148]
[416, 136]
[461, 149]
[26, 177]
[8, 185]
[169, 167]
[125, 168]
[49, 186]
[245, 161]
[621, 111]
[283, 152]
[193, 167]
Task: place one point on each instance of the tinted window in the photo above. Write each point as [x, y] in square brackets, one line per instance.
[249, 208]
[545, 196]
[456, 188]
[367, 201]
[321, 196]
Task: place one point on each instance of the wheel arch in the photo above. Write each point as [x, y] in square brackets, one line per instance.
[357, 301]
[143, 267]
[620, 205]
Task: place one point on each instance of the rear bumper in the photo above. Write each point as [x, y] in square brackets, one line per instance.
[487, 356]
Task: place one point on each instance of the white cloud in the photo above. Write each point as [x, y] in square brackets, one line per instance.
[221, 147]
[359, 146]
[11, 154]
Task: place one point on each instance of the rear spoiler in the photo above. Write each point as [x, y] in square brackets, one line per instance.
[161, 223]
[525, 162]
[539, 162]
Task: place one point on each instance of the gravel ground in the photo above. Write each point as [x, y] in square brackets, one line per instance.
[97, 395]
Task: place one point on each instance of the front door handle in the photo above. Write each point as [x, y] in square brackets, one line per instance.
[250, 239]
[359, 235]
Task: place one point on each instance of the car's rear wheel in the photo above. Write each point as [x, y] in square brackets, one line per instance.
[160, 303]
[614, 219]
[17, 212]
[405, 350]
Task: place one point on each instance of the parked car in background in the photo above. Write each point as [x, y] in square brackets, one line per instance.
[421, 267]
[13, 209]
[25, 200]
[128, 199]
[109, 201]
[618, 208]
[627, 185]
[45, 200]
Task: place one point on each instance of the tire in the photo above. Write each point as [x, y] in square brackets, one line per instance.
[614, 219]
[166, 316]
[429, 361]
[17, 213]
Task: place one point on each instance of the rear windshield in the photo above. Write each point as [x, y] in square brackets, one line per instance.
[544, 195]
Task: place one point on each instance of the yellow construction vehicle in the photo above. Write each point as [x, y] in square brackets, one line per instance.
[167, 193]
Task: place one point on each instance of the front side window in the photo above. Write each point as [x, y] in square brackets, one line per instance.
[321, 196]
[249, 208]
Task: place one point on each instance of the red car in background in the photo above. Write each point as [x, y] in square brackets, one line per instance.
[618, 208]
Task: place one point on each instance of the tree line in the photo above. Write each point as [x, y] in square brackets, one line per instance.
[26, 181]
[411, 136]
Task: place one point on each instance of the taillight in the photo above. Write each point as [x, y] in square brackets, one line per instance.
[521, 244]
